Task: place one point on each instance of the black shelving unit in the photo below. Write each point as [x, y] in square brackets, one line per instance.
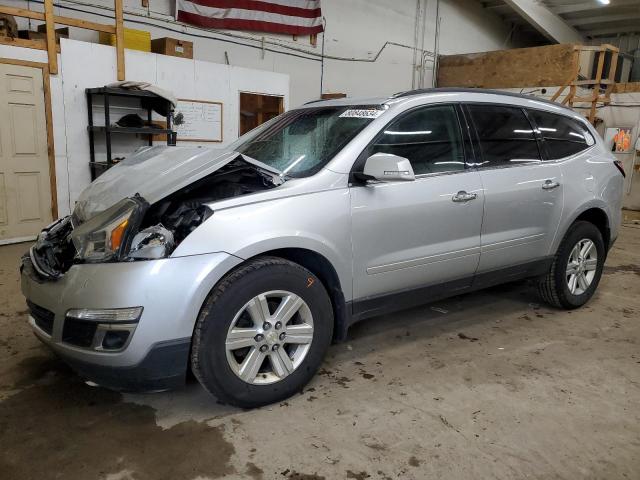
[148, 101]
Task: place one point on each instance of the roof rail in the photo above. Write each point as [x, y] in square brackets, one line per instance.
[314, 101]
[422, 91]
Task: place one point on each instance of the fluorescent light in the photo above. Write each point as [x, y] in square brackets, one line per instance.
[604, 2]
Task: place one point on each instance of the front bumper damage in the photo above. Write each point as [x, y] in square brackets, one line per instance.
[170, 292]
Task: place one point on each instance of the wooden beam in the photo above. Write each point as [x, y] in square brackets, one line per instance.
[558, 93]
[612, 69]
[596, 88]
[589, 48]
[39, 44]
[120, 39]
[569, 98]
[591, 82]
[608, 46]
[626, 87]
[21, 12]
[612, 76]
[76, 22]
[51, 37]
[50, 145]
[588, 99]
[71, 22]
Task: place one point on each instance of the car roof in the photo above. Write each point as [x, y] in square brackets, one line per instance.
[504, 97]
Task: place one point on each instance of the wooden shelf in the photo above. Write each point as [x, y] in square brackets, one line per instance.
[133, 130]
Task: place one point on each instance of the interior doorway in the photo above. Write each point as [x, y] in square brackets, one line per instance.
[256, 108]
[25, 176]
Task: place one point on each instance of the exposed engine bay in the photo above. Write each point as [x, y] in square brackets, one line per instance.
[134, 230]
[182, 211]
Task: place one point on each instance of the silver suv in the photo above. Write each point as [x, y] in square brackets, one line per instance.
[244, 264]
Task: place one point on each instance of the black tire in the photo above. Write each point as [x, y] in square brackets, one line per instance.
[553, 287]
[208, 355]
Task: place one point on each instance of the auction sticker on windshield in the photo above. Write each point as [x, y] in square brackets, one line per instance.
[361, 113]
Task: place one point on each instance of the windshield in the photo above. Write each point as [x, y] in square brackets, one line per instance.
[300, 142]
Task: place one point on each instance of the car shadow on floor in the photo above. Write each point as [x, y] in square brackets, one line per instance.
[456, 313]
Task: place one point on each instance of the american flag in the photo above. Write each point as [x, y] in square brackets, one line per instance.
[293, 17]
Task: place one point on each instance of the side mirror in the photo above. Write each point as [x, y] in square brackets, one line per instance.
[386, 167]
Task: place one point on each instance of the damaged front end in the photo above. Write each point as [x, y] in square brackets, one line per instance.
[133, 229]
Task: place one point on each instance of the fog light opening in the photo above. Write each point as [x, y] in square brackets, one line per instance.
[115, 339]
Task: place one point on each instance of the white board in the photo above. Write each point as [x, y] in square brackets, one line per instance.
[202, 121]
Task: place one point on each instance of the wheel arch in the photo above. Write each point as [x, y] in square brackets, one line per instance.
[322, 268]
[595, 212]
[598, 217]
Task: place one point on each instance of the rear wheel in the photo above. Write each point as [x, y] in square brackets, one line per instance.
[576, 269]
[262, 333]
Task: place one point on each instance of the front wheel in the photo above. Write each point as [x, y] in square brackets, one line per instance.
[262, 333]
[576, 269]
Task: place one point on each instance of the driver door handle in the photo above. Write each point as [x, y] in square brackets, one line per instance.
[463, 196]
[550, 185]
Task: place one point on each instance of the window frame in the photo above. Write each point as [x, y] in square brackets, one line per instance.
[545, 151]
[465, 143]
[542, 152]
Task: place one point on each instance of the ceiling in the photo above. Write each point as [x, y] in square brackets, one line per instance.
[589, 17]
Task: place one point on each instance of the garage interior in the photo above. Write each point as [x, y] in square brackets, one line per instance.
[491, 384]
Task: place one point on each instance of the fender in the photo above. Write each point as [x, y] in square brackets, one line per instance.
[245, 231]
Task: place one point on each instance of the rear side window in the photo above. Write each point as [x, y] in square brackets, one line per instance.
[562, 136]
[506, 137]
[429, 137]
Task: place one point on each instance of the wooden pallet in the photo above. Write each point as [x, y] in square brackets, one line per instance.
[601, 79]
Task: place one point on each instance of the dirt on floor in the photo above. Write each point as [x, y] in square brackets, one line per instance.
[493, 384]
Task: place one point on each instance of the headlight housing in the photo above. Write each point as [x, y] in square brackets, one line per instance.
[108, 235]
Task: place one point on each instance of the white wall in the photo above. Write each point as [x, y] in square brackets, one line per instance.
[356, 30]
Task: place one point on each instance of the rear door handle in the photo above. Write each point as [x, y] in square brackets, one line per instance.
[463, 196]
[550, 185]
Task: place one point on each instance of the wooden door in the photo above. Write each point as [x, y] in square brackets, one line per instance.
[255, 109]
[25, 189]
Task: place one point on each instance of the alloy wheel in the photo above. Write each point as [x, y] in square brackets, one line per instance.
[269, 337]
[581, 267]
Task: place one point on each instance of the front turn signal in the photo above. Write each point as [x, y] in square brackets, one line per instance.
[117, 234]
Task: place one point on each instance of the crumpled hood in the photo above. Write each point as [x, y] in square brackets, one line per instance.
[153, 173]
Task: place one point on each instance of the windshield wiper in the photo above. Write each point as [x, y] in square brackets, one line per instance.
[267, 170]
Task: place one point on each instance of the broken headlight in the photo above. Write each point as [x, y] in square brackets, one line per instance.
[108, 235]
[152, 242]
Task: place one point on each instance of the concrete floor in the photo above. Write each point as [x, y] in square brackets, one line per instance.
[487, 385]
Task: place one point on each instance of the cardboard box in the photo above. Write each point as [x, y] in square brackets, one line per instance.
[133, 39]
[173, 47]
